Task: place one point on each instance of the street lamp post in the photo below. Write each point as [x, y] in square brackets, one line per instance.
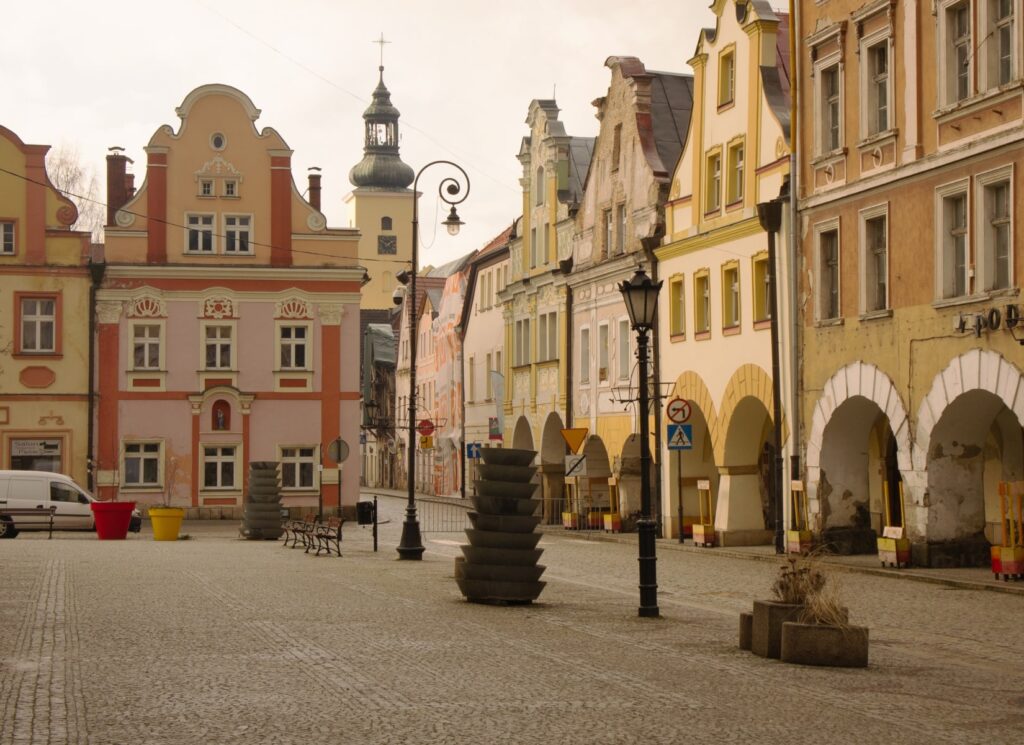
[451, 192]
[641, 296]
[770, 216]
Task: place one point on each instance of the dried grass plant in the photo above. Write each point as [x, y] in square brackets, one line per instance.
[799, 578]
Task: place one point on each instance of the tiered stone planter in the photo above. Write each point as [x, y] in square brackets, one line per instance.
[500, 563]
[262, 517]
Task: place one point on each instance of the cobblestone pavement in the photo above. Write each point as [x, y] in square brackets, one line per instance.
[221, 640]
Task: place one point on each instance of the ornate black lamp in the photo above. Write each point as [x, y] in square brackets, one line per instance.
[641, 297]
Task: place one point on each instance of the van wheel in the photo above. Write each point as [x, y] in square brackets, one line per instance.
[7, 529]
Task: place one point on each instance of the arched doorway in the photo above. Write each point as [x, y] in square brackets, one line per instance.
[744, 494]
[684, 468]
[522, 435]
[591, 500]
[858, 468]
[552, 468]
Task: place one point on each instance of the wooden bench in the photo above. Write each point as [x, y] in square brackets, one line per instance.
[30, 512]
[328, 536]
[296, 530]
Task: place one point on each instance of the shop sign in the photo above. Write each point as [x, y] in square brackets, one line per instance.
[993, 319]
[34, 447]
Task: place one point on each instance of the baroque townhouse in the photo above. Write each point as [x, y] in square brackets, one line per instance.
[536, 318]
[911, 119]
[227, 321]
[643, 118]
[45, 287]
[714, 309]
[483, 351]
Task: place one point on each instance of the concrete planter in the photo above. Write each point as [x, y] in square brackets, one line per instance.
[819, 644]
[766, 633]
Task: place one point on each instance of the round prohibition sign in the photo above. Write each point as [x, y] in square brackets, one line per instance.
[678, 410]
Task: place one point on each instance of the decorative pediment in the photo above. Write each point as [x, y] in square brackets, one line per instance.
[147, 306]
[217, 167]
[218, 306]
[293, 307]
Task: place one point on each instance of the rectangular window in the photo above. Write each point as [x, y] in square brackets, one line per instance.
[206, 188]
[533, 247]
[7, 238]
[231, 188]
[547, 341]
[199, 235]
[602, 353]
[141, 464]
[714, 183]
[958, 52]
[471, 380]
[997, 241]
[522, 351]
[219, 467]
[702, 302]
[730, 296]
[616, 146]
[762, 296]
[297, 467]
[878, 88]
[1001, 52]
[294, 347]
[620, 228]
[146, 346]
[38, 325]
[736, 173]
[218, 347]
[237, 234]
[876, 264]
[726, 78]
[488, 388]
[585, 355]
[828, 274]
[608, 230]
[831, 116]
[624, 359]
[677, 306]
[954, 245]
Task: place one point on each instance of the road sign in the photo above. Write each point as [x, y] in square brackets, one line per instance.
[678, 410]
[575, 465]
[472, 450]
[425, 427]
[575, 437]
[680, 437]
[338, 450]
[426, 442]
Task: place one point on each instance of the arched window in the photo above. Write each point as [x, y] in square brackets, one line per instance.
[221, 415]
[538, 187]
[385, 223]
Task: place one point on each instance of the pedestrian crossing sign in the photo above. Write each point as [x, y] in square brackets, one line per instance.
[680, 437]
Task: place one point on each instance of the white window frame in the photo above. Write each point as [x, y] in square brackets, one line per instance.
[702, 276]
[820, 229]
[727, 77]
[220, 459]
[868, 266]
[236, 230]
[220, 342]
[281, 342]
[609, 232]
[142, 456]
[760, 294]
[294, 463]
[230, 188]
[39, 320]
[471, 379]
[8, 238]
[604, 375]
[948, 66]
[734, 180]
[206, 187]
[822, 131]
[488, 389]
[547, 341]
[731, 301]
[160, 342]
[713, 181]
[677, 305]
[869, 85]
[211, 229]
[522, 342]
[624, 353]
[985, 249]
[943, 242]
[988, 20]
[585, 355]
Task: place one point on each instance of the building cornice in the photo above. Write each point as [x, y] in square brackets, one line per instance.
[218, 272]
[710, 239]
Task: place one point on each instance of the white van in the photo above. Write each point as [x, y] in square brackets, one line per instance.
[41, 490]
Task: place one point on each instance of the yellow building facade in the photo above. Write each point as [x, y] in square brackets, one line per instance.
[45, 287]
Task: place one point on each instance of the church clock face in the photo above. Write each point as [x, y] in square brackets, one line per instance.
[387, 244]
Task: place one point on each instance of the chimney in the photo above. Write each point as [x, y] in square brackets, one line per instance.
[314, 187]
[117, 193]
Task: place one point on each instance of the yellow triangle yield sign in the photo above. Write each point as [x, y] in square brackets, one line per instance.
[574, 437]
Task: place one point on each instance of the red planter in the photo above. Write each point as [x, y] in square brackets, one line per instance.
[112, 519]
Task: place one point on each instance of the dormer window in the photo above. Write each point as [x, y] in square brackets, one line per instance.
[231, 188]
[206, 188]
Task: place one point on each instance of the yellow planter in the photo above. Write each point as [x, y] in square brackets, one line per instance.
[166, 522]
[798, 541]
[703, 534]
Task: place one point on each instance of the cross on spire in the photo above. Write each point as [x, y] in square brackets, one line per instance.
[382, 41]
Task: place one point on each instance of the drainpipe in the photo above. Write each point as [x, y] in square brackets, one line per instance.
[649, 245]
[96, 271]
[796, 376]
[460, 332]
[565, 266]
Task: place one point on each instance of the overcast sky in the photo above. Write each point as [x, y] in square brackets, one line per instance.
[462, 73]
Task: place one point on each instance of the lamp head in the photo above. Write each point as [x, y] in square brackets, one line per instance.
[453, 223]
[641, 297]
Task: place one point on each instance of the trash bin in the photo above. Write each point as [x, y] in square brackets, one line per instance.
[364, 513]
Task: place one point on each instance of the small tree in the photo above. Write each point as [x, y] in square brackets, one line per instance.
[78, 182]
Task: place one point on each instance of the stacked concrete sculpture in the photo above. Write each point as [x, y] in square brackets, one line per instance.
[500, 563]
[262, 516]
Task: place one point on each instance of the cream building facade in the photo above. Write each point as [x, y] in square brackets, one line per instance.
[714, 313]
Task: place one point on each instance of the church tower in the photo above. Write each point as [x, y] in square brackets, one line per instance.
[381, 203]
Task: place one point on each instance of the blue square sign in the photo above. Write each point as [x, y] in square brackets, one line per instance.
[680, 437]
